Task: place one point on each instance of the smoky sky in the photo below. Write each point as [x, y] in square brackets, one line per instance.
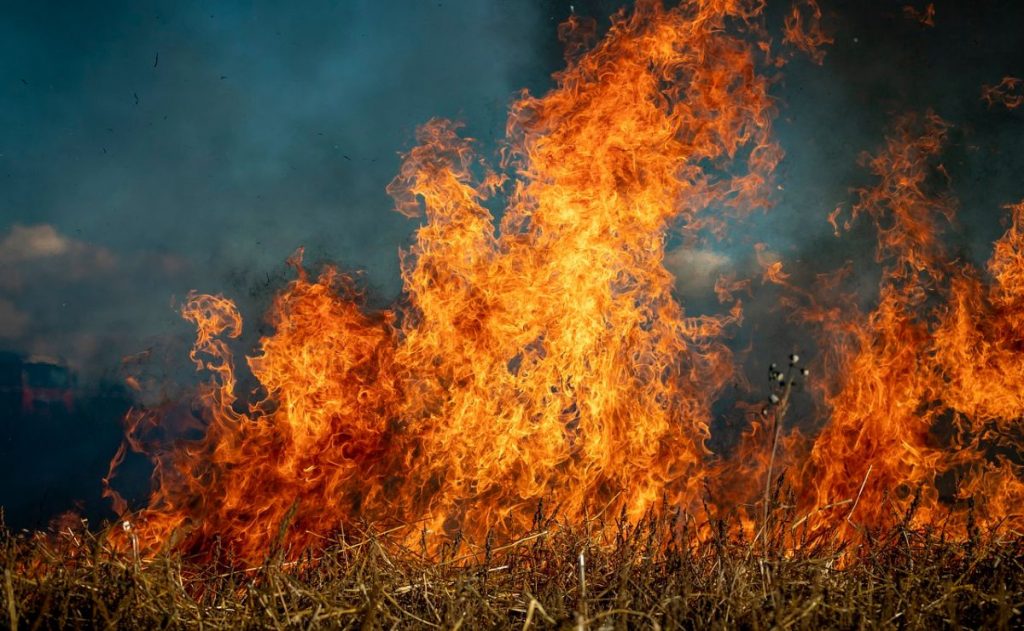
[150, 148]
[196, 144]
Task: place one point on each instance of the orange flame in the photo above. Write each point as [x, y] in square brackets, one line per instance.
[926, 385]
[1006, 93]
[803, 30]
[544, 361]
[547, 360]
[926, 16]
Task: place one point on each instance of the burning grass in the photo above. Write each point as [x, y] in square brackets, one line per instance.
[543, 358]
[653, 574]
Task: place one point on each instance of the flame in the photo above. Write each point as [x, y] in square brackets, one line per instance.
[926, 16]
[1008, 93]
[803, 30]
[542, 359]
[927, 383]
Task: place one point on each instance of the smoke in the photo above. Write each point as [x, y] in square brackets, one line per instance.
[197, 145]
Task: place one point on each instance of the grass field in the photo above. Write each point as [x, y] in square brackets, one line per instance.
[652, 575]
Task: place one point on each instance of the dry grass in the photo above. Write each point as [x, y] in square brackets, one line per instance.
[653, 574]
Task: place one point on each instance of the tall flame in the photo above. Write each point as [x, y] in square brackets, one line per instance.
[542, 361]
[922, 395]
[542, 357]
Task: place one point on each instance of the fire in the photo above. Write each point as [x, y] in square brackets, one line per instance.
[1008, 93]
[803, 30]
[924, 390]
[543, 359]
[926, 16]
